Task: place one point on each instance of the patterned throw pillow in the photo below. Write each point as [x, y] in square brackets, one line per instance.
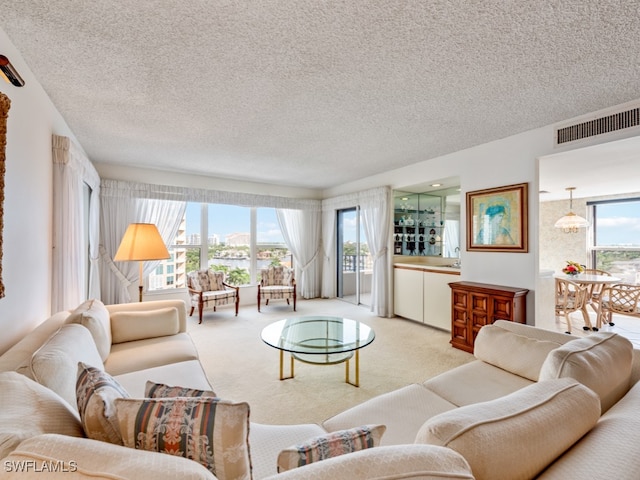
[96, 392]
[210, 431]
[160, 390]
[330, 445]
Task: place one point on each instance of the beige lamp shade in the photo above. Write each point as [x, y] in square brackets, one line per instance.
[571, 222]
[141, 241]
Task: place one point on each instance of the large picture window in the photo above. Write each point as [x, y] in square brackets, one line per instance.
[236, 240]
[615, 246]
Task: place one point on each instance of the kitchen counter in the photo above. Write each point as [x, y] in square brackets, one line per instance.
[428, 268]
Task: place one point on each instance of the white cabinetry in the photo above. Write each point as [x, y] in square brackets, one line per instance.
[408, 293]
[422, 293]
[437, 299]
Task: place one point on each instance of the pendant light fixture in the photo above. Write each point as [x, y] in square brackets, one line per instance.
[571, 222]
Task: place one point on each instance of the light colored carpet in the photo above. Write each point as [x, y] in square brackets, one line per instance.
[241, 367]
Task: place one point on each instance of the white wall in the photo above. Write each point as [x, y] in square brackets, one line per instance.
[503, 162]
[26, 262]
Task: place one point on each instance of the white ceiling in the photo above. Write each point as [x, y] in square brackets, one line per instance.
[316, 94]
[606, 169]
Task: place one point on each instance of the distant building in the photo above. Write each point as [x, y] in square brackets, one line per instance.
[193, 239]
[237, 239]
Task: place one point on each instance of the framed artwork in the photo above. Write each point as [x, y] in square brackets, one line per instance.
[5, 103]
[497, 219]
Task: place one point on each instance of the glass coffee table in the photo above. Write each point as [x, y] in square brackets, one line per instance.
[319, 340]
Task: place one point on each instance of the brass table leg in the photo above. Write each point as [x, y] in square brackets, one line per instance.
[282, 377]
[357, 368]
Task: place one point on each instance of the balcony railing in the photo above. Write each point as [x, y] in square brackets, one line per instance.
[349, 263]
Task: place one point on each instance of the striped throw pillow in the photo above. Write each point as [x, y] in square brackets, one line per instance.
[96, 392]
[330, 445]
[160, 390]
[210, 431]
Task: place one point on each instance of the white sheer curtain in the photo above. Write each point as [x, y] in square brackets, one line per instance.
[376, 217]
[451, 239]
[375, 207]
[301, 231]
[328, 253]
[120, 207]
[71, 261]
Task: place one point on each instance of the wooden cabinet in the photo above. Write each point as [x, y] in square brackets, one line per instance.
[474, 305]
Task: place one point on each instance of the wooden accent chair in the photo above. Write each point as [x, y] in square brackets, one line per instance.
[622, 298]
[207, 288]
[277, 282]
[570, 297]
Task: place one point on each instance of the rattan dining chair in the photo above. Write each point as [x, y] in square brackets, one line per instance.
[622, 299]
[570, 297]
[595, 289]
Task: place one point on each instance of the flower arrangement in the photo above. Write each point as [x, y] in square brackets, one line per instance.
[573, 268]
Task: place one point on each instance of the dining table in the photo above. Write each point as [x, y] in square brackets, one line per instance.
[590, 280]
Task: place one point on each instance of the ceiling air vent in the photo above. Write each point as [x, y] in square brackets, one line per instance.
[614, 122]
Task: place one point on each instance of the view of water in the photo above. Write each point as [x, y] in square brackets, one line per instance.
[243, 263]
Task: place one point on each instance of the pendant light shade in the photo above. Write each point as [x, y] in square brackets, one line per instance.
[571, 222]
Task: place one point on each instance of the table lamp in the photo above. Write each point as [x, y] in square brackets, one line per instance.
[141, 242]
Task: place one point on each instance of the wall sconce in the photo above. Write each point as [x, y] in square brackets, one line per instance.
[9, 73]
[141, 242]
[571, 222]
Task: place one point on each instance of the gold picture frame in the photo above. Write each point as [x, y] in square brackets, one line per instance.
[497, 219]
[5, 104]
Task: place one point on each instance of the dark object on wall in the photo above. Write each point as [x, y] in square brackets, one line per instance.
[10, 72]
[5, 104]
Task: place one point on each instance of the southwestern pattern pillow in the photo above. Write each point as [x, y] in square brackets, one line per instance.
[331, 445]
[160, 390]
[210, 431]
[96, 392]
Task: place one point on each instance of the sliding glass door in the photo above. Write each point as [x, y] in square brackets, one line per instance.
[354, 262]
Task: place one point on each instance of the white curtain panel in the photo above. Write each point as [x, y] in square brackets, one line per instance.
[375, 207]
[188, 194]
[329, 253]
[376, 217]
[301, 231]
[451, 238]
[122, 206]
[71, 171]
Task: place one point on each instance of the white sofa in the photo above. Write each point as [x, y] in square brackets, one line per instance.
[512, 413]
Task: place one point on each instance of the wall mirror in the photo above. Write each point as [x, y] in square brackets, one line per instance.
[426, 219]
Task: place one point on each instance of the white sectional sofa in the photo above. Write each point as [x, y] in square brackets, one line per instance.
[534, 404]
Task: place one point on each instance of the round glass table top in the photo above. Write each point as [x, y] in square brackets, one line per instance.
[318, 334]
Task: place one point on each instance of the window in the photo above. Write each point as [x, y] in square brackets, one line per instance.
[236, 240]
[270, 246]
[616, 238]
[229, 245]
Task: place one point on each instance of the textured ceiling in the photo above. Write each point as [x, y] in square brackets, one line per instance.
[318, 93]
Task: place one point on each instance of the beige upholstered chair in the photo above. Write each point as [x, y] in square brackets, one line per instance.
[622, 298]
[276, 282]
[207, 288]
[570, 297]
